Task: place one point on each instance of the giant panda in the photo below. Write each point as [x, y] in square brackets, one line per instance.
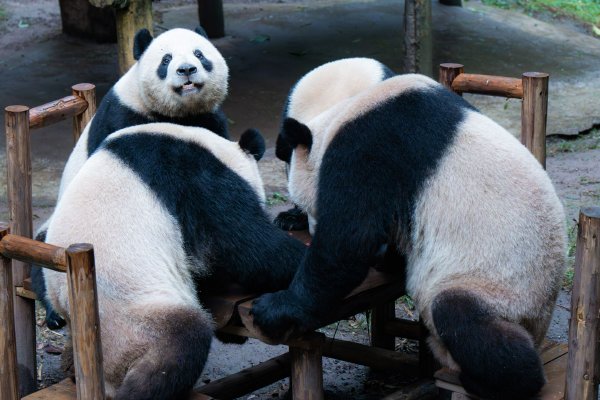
[179, 77]
[317, 91]
[409, 164]
[178, 205]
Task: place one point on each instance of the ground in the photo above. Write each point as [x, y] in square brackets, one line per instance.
[270, 45]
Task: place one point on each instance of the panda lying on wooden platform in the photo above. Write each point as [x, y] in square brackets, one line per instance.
[166, 207]
[179, 77]
[410, 165]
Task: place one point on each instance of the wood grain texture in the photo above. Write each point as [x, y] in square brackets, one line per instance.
[9, 381]
[488, 84]
[33, 251]
[582, 370]
[55, 111]
[18, 163]
[448, 72]
[534, 113]
[418, 43]
[135, 16]
[249, 379]
[85, 322]
[87, 92]
[307, 368]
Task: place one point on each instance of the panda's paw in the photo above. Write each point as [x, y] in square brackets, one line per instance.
[293, 219]
[53, 320]
[280, 316]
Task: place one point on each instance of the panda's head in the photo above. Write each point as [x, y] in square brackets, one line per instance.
[180, 72]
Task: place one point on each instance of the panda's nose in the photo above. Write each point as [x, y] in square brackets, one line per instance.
[186, 69]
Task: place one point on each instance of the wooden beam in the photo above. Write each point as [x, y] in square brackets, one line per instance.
[403, 328]
[32, 251]
[249, 379]
[583, 363]
[9, 380]
[85, 322]
[534, 113]
[307, 367]
[135, 16]
[488, 84]
[86, 91]
[55, 111]
[18, 165]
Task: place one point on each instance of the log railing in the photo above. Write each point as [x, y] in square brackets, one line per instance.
[77, 261]
[19, 121]
[532, 88]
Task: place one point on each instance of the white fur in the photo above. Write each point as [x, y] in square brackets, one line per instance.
[141, 265]
[330, 83]
[488, 220]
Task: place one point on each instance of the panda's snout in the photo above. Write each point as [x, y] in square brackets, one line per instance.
[186, 70]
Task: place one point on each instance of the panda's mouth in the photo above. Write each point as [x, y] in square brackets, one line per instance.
[188, 88]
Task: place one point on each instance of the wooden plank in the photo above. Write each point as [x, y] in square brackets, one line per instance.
[27, 284]
[374, 357]
[18, 165]
[31, 251]
[249, 379]
[22, 292]
[86, 91]
[448, 72]
[582, 376]
[555, 371]
[488, 84]
[534, 112]
[403, 328]
[9, 380]
[85, 322]
[55, 111]
[64, 390]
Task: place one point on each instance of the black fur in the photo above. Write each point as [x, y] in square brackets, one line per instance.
[200, 31]
[218, 212]
[370, 177]
[141, 41]
[113, 115]
[296, 133]
[497, 359]
[206, 63]
[38, 284]
[163, 67]
[293, 219]
[169, 375]
[253, 143]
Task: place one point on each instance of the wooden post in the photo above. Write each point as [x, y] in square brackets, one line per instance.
[86, 91]
[448, 72]
[18, 163]
[210, 14]
[135, 16]
[534, 112]
[583, 363]
[380, 316]
[85, 322]
[307, 367]
[9, 380]
[418, 47]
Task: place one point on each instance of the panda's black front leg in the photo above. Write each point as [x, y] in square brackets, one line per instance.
[53, 320]
[293, 219]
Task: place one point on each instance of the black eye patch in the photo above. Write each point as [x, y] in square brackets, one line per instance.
[206, 63]
[164, 66]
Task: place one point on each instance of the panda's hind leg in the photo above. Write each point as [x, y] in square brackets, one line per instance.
[177, 342]
[497, 358]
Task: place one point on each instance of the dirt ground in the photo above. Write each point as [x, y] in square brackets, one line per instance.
[268, 46]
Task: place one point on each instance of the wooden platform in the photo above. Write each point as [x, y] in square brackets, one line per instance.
[554, 357]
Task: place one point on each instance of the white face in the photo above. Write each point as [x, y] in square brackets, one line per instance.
[181, 73]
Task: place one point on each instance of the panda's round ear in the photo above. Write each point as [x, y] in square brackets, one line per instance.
[253, 143]
[283, 149]
[200, 31]
[141, 41]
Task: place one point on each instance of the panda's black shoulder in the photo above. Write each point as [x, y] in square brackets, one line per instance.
[215, 122]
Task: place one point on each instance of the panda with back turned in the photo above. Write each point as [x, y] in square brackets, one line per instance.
[317, 91]
[410, 165]
[179, 77]
[180, 205]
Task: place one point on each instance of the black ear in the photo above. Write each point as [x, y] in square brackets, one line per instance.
[283, 150]
[141, 41]
[200, 31]
[296, 133]
[253, 143]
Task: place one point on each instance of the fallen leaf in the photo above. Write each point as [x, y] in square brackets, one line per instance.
[51, 349]
[596, 30]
